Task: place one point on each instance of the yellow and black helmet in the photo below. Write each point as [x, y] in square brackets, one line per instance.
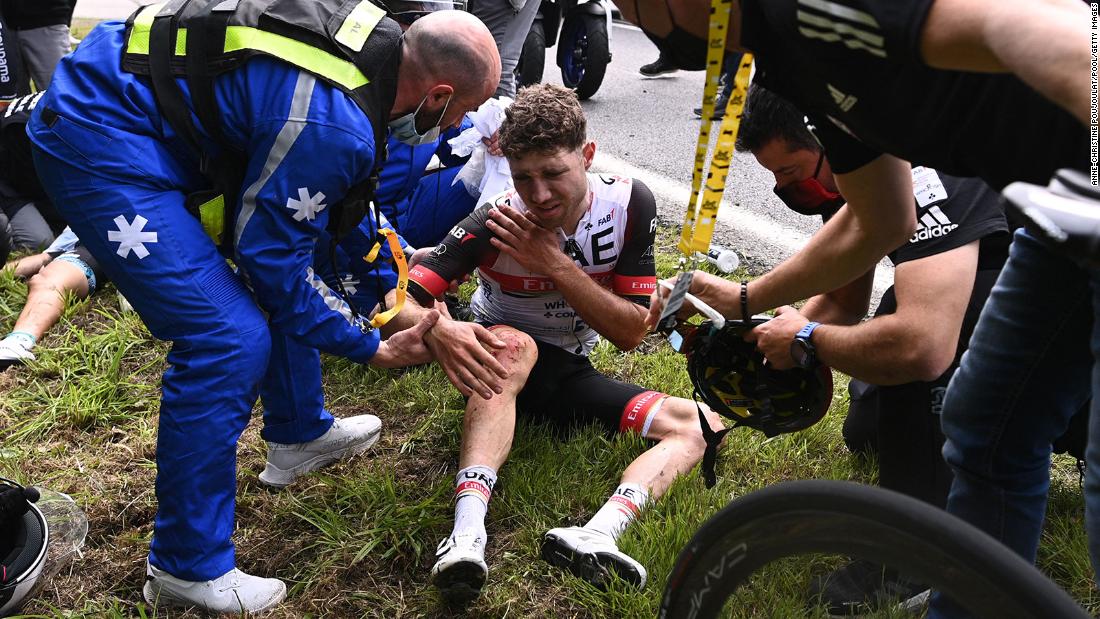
[731, 376]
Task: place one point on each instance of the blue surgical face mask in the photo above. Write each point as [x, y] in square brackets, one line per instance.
[404, 128]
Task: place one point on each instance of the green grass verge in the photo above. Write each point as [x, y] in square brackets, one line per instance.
[358, 539]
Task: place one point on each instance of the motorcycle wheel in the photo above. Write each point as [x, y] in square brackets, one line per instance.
[533, 57]
[583, 53]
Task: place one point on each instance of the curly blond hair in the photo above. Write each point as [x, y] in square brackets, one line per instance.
[543, 118]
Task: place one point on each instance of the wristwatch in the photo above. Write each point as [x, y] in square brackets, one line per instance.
[802, 349]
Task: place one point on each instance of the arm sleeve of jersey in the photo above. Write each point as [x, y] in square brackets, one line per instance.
[283, 210]
[444, 151]
[458, 254]
[845, 153]
[901, 23]
[635, 274]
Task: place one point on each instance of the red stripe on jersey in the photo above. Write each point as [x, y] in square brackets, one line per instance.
[429, 280]
[630, 285]
[537, 283]
[637, 409]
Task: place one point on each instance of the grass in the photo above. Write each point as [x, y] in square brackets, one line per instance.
[358, 539]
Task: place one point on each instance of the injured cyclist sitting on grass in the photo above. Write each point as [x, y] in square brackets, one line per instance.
[564, 258]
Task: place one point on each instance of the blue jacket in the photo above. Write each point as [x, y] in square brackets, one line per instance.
[406, 164]
[306, 144]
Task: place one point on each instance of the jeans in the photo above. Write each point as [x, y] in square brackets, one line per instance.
[1029, 368]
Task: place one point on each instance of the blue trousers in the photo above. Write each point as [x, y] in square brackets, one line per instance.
[134, 222]
[1029, 368]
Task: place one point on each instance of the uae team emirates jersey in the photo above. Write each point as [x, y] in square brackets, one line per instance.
[612, 244]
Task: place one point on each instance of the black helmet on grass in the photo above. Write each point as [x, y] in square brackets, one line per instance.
[731, 376]
[24, 538]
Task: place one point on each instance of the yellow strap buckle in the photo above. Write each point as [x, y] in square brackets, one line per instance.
[402, 275]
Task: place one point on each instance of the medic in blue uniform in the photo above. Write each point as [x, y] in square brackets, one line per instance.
[120, 175]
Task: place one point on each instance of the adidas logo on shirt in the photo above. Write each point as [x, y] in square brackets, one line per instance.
[843, 101]
[933, 224]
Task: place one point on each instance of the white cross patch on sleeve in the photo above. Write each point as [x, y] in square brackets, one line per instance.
[351, 284]
[306, 206]
[131, 236]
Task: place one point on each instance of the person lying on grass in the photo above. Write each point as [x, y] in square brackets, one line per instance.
[65, 268]
[564, 258]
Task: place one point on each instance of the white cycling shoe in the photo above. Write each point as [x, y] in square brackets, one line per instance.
[590, 555]
[12, 353]
[460, 570]
[346, 437]
[233, 592]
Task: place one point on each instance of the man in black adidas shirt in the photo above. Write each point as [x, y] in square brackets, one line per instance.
[947, 84]
[863, 72]
[901, 360]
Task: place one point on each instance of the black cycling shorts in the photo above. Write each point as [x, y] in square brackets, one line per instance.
[564, 390]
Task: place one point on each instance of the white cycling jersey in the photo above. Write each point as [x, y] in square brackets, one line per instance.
[612, 244]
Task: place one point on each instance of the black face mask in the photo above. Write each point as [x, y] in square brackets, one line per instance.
[683, 49]
[809, 197]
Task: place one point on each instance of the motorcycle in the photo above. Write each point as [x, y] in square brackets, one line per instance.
[582, 31]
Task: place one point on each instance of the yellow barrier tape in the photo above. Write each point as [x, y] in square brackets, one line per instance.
[373, 253]
[402, 277]
[699, 220]
[720, 163]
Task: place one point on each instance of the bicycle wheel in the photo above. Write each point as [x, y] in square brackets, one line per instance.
[817, 516]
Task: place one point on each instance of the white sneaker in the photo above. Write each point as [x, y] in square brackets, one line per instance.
[232, 592]
[590, 555]
[460, 570]
[12, 352]
[346, 437]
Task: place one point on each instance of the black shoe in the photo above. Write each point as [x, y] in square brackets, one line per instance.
[658, 67]
[861, 587]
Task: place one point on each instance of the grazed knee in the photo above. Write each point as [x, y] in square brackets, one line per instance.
[519, 352]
